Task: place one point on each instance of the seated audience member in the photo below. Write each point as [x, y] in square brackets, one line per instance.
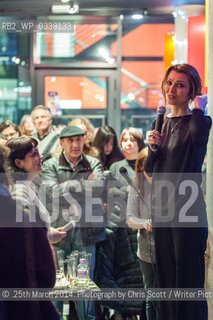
[9, 129]
[26, 126]
[107, 145]
[47, 137]
[26, 257]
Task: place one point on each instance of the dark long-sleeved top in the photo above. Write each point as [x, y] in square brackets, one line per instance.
[179, 160]
[182, 150]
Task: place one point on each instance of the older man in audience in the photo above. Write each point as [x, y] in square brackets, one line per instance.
[48, 138]
[74, 183]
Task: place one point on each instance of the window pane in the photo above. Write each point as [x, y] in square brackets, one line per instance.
[68, 96]
[86, 42]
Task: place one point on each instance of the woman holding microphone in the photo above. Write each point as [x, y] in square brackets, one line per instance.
[178, 208]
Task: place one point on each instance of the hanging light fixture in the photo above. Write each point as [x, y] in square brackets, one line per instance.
[71, 7]
[74, 8]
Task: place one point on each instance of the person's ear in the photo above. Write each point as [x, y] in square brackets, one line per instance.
[18, 163]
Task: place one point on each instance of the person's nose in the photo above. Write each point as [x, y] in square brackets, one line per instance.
[107, 146]
[75, 144]
[172, 88]
[129, 142]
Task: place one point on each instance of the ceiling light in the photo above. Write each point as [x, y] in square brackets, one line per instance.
[137, 16]
[74, 8]
[60, 9]
[70, 8]
[64, 1]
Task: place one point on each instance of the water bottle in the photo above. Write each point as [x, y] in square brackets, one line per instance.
[82, 273]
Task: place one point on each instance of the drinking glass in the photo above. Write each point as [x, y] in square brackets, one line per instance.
[60, 260]
[88, 260]
[72, 268]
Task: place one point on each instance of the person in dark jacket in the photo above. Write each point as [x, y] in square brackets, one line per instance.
[121, 270]
[71, 179]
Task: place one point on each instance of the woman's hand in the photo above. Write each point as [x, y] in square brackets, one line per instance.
[138, 223]
[148, 225]
[56, 235]
[154, 137]
[201, 102]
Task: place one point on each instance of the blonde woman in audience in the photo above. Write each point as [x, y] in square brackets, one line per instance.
[26, 125]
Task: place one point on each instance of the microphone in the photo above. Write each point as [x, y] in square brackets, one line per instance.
[159, 122]
[123, 171]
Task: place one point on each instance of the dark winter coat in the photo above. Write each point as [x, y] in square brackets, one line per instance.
[117, 264]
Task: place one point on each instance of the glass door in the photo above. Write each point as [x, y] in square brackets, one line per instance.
[71, 93]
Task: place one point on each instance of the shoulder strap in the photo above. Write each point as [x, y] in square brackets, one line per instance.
[46, 152]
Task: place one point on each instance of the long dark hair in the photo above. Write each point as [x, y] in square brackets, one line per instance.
[102, 137]
[19, 147]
